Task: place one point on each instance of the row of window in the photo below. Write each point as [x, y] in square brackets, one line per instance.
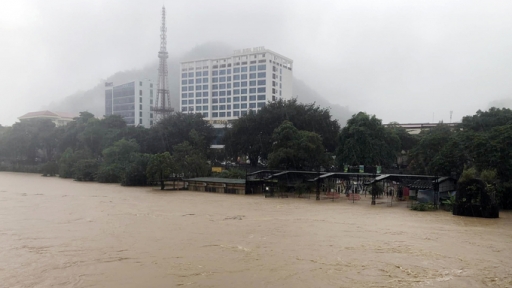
[224, 86]
[235, 99]
[253, 68]
[225, 78]
[224, 107]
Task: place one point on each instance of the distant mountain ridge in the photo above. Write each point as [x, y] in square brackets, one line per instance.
[93, 99]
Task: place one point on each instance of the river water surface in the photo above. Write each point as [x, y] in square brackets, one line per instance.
[60, 233]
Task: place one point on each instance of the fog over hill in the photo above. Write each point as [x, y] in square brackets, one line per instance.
[93, 99]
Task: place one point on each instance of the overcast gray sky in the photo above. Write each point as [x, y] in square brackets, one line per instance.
[405, 61]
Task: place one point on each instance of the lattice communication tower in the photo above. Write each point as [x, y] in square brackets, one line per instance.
[162, 106]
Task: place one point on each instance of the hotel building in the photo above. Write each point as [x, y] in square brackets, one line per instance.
[224, 89]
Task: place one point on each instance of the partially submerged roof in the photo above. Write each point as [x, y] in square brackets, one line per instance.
[217, 180]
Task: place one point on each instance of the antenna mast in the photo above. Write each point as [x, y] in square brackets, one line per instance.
[162, 106]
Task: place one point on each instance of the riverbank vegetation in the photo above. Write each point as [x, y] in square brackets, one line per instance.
[283, 135]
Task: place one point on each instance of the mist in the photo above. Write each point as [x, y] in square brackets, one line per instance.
[403, 61]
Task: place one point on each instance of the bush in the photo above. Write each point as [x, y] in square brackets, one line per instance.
[423, 207]
[85, 170]
[50, 169]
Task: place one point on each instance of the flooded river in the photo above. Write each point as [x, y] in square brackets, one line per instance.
[60, 233]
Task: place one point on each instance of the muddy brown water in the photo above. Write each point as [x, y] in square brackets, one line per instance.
[60, 233]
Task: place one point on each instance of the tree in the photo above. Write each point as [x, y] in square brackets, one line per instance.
[296, 149]
[365, 141]
[160, 167]
[115, 160]
[251, 134]
[190, 161]
[175, 129]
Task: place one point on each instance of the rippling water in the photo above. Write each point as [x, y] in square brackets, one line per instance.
[60, 233]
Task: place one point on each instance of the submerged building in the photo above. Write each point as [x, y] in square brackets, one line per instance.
[132, 101]
[226, 88]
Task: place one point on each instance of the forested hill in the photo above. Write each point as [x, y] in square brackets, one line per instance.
[92, 100]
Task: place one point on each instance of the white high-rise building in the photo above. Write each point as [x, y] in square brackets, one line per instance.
[132, 101]
[226, 88]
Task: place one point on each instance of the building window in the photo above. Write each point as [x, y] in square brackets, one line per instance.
[205, 101]
[205, 114]
[222, 79]
[236, 106]
[215, 107]
[243, 91]
[198, 74]
[252, 105]
[236, 84]
[198, 94]
[151, 122]
[140, 92]
[184, 88]
[236, 99]
[261, 97]
[243, 69]
[228, 99]
[262, 67]
[205, 80]
[243, 106]
[244, 83]
[252, 68]
[190, 95]
[183, 109]
[190, 81]
[244, 113]
[222, 114]
[140, 121]
[222, 72]
[229, 91]
[222, 107]
[215, 73]
[205, 94]
[140, 106]
[191, 74]
[262, 89]
[190, 88]
[236, 77]
[252, 83]
[236, 70]
[215, 79]
[191, 102]
[140, 83]
[140, 114]
[198, 81]
[205, 107]
[222, 100]
[198, 108]
[252, 76]
[236, 113]
[252, 98]
[151, 101]
[243, 98]
[198, 101]
[236, 91]
[222, 86]
[198, 87]
[262, 74]
[261, 104]
[244, 77]
[205, 73]
[222, 93]
[151, 115]
[184, 82]
[252, 90]
[215, 87]
[183, 75]
[140, 100]
[215, 100]
[262, 82]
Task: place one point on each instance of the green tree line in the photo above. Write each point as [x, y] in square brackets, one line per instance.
[284, 134]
